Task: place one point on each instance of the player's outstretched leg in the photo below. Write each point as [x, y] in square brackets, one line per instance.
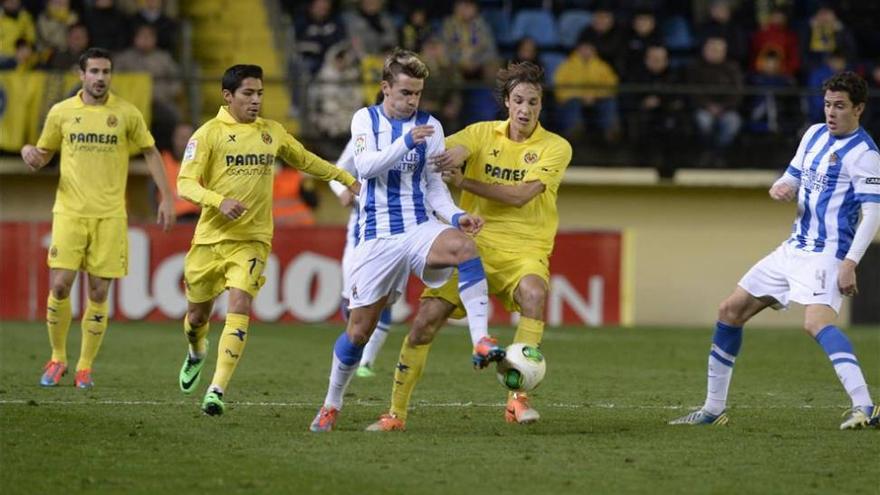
[726, 343]
[409, 369]
[473, 290]
[58, 323]
[840, 351]
[374, 345]
[94, 326]
[191, 370]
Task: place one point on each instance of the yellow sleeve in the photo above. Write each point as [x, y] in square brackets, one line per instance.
[138, 133]
[551, 167]
[50, 138]
[196, 159]
[297, 156]
[469, 138]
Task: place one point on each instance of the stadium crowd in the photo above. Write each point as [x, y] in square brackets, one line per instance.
[630, 81]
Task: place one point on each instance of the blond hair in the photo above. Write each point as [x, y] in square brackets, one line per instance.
[403, 62]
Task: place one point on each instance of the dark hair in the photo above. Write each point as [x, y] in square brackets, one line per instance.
[234, 75]
[93, 52]
[406, 62]
[849, 82]
[518, 73]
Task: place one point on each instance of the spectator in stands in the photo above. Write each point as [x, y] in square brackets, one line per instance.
[24, 58]
[835, 63]
[655, 114]
[150, 12]
[52, 26]
[336, 93]
[371, 29]
[586, 84]
[77, 43]
[721, 25]
[526, 50]
[415, 30]
[779, 41]
[823, 35]
[185, 210]
[604, 34]
[293, 197]
[769, 112]
[470, 42]
[441, 98]
[319, 28]
[16, 24]
[146, 56]
[643, 34]
[716, 116]
[108, 27]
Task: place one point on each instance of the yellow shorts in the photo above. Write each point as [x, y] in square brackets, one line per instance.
[98, 246]
[504, 270]
[209, 269]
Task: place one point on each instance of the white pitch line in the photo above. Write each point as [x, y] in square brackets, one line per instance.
[552, 405]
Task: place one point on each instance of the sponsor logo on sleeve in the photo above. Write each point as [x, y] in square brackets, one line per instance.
[873, 180]
[190, 152]
[360, 144]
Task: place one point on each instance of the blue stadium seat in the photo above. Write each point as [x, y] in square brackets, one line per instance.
[540, 25]
[571, 23]
[550, 61]
[499, 21]
[677, 33]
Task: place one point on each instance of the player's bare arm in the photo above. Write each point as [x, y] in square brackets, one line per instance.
[514, 195]
[36, 158]
[165, 215]
[354, 189]
[449, 159]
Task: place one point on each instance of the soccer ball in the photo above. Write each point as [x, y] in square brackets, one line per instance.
[522, 369]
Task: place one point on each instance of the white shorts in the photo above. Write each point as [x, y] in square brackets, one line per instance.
[790, 274]
[382, 266]
[348, 252]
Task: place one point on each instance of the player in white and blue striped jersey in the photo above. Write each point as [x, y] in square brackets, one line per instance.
[835, 177]
[407, 223]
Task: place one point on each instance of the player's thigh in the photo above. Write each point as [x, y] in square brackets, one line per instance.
[379, 269]
[244, 263]
[107, 252]
[506, 270]
[766, 280]
[70, 237]
[433, 250]
[447, 292]
[203, 275]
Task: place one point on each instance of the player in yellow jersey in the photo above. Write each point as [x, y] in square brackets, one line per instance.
[94, 131]
[512, 172]
[228, 169]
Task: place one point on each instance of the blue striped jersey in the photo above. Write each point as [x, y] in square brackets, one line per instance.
[837, 174]
[398, 188]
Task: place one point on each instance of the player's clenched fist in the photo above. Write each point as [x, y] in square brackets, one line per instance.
[232, 209]
[420, 133]
[34, 157]
[783, 192]
[452, 158]
[470, 224]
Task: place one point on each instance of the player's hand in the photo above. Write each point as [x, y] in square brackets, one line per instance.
[470, 224]
[34, 157]
[846, 278]
[420, 133]
[451, 158]
[232, 209]
[166, 215]
[783, 192]
[453, 177]
[354, 189]
[346, 198]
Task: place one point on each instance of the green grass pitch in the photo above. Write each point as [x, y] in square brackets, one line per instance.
[604, 404]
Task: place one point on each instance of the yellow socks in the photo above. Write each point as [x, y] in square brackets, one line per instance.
[94, 326]
[409, 369]
[528, 331]
[229, 350]
[196, 337]
[58, 323]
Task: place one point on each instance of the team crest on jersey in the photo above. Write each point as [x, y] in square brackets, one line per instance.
[112, 120]
[360, 144]
[190, 152]
[530, 157]
[833, 159]
[53, 252]
[267, 138]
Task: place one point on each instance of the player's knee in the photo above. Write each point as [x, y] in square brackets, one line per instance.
[532, 298]
[814, 325]
[463, 249]
[358, 335]
[196, 318]
[60, 289]
[730, 313]
[423, 331]
[98, 294]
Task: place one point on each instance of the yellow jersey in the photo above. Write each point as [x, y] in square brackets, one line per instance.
[228, 159]
[496, 159]
[94, 141]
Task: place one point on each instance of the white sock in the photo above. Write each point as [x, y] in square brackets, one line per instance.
[340, 376]
[718, 384]
[374, 345]
[473, 290]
